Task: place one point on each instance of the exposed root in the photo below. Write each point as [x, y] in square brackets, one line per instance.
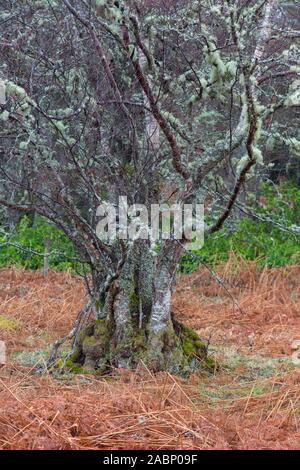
[176, 349]
[72, 335]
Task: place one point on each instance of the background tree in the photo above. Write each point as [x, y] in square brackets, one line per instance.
[161, 102]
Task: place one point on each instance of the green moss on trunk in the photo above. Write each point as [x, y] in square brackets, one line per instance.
[177, 349]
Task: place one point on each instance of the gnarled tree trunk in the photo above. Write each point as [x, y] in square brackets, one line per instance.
[136, 323]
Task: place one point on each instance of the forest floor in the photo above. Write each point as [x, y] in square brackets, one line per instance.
[252, 402]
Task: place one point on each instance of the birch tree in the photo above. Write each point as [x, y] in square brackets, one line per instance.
[153, 101]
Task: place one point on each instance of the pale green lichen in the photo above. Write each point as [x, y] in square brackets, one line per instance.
[4, 116]
[293, 99]
[258, 156]
[23, 145]
[213, 57]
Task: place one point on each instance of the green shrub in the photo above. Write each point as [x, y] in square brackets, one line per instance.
[32, 239]
[254, 239]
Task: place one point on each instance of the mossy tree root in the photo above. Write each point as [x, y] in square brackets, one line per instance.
[177, 349]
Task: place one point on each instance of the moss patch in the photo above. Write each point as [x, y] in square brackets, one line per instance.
[9, 323]
[177, 349]
[194, 350]
[31, 358]
[91, 354]
[134, 302]
[75, 368]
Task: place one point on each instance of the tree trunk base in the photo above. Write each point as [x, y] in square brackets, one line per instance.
[176, 349]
